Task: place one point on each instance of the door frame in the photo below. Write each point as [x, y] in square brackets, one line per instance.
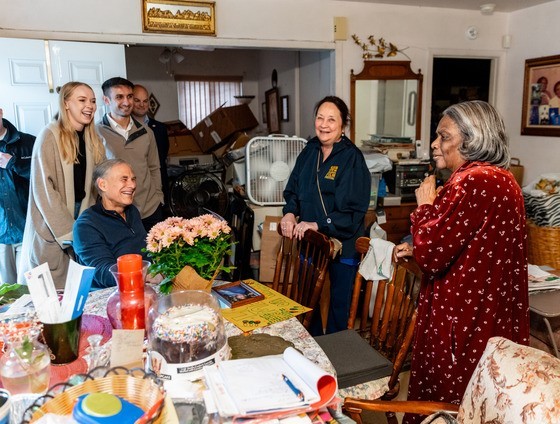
[496, 84]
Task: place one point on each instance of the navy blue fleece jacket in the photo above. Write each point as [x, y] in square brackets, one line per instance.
[345, 184]
[101, 236]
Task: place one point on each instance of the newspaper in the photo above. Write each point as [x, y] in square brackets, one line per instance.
[539, 279]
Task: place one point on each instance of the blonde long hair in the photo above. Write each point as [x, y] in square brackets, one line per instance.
[68, 142]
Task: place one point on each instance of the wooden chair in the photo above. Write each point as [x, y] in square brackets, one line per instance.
[301, 268]
[241, 219]
[511, 383]
[386, 336]
[394, 304]
[390, 329]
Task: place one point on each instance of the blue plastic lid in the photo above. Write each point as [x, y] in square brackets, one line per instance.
[105, 408]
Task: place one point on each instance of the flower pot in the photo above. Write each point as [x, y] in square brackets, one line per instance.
[188, 279]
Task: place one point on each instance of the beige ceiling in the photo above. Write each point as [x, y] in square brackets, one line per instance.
[501, 5]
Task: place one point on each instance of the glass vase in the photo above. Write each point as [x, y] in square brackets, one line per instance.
[25, 364]
[128, 305]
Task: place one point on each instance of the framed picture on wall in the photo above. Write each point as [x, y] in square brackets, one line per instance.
[179, 17]
[272, 111]
[541, 97]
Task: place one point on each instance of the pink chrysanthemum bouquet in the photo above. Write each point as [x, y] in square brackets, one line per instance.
[199, 242]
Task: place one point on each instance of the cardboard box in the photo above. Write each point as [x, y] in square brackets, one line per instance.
[181, 140]
[216, 129]
[233, 150]
[261, 212]
[270, 244]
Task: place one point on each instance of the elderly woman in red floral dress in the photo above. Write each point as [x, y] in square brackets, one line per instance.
[469, 240]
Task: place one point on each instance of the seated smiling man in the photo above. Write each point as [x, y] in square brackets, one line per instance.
[112, 227]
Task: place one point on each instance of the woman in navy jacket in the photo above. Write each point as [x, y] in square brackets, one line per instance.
[328, 191]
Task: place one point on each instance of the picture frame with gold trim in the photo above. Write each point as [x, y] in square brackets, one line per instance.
[179, 17]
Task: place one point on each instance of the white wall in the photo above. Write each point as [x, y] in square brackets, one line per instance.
[307, 24]
[535, 33]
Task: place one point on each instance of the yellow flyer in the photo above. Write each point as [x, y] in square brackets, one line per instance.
[273, 308]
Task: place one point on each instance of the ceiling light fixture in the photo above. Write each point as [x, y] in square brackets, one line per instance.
[487, 9]
[165, 56]
[177, 56]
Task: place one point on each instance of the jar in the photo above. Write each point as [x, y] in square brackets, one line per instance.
[185, 332]
[25, 364]
[128, 305]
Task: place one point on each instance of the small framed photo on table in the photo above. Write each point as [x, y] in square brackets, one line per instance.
[237, 294]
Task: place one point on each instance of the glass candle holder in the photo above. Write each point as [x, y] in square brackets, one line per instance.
[128, 305]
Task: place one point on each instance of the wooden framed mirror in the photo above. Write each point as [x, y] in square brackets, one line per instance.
[385, 101]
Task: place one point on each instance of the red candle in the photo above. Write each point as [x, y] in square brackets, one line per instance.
[129, 263]
[131, 288]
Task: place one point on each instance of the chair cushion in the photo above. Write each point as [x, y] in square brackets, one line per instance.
[512, 384]
[354, 360]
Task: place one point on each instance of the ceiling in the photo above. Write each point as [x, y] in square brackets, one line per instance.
[501, 5]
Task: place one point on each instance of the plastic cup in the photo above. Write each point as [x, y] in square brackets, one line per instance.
[63, 340]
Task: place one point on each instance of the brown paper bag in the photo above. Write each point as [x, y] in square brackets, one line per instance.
[188, 279]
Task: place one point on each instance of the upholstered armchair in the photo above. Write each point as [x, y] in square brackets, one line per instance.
[511, 384]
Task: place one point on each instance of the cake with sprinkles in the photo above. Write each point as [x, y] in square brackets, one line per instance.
[186, 333]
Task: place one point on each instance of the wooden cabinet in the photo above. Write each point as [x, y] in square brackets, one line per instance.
[398, 220]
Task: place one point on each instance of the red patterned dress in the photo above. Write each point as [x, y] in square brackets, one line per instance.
[471, 247]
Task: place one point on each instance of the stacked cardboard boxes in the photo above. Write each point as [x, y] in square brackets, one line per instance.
[221, 126]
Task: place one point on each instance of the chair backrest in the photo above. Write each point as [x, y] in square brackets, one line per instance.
[301, 267]
[390, 327]
[241, 219]
[512, 383]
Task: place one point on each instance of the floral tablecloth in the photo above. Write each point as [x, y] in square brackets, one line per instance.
[290, 330]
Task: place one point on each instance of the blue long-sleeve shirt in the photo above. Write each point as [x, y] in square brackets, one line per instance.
[101, 236]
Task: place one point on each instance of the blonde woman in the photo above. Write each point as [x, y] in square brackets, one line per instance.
[64, 156]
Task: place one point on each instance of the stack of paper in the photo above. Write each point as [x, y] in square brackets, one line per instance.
[542, 280]
[272, 385]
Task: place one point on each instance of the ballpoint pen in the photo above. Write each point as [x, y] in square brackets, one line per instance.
[293, 388]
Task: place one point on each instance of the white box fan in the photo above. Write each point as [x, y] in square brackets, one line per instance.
[268, 164]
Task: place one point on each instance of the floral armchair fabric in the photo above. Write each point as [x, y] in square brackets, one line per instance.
[511, 384]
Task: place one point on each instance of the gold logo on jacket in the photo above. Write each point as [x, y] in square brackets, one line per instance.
[332, 173]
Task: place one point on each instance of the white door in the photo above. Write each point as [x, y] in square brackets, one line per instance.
[28, 84]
